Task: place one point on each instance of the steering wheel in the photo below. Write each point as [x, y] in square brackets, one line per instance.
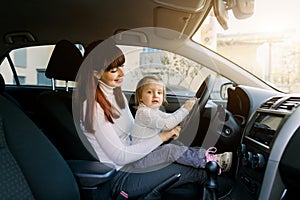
[189, 126]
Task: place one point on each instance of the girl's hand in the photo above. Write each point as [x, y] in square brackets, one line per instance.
[176, 132]
[171, 134]
[189, 104]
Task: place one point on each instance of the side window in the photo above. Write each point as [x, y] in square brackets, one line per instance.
[21, 80]
[182, 76]
[6, 72]
[41, 78]
[20, 58]
[30, 64]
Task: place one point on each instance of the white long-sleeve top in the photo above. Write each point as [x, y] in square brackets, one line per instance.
[111, 142]
[149, 122]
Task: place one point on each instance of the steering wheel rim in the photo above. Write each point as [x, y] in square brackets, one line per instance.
[190, 125]
[204, 91]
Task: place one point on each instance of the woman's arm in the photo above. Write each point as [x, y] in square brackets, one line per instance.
[123, 154]
[117, 150]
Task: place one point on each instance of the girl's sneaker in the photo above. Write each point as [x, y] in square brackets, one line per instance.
[224, 160]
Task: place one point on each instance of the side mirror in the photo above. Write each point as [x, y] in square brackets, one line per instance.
[224, 89]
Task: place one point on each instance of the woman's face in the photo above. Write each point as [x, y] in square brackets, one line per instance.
[113, 77]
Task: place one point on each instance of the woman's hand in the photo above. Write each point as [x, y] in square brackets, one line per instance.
[189, 104]
[171, 134]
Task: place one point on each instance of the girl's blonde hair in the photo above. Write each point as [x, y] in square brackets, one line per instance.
[145, 81]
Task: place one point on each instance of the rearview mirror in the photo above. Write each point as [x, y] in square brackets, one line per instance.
[242, 8]
[221, 13]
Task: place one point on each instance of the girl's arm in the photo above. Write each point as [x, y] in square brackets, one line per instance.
[157, 119]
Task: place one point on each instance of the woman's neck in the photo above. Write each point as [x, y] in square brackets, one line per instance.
[108, 90]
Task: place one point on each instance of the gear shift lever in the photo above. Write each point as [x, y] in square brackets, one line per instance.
[209, 190]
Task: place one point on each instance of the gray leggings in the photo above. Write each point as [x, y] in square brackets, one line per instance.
[169, 153]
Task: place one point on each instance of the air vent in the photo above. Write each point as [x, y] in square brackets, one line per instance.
[269, 103]
[289, 104]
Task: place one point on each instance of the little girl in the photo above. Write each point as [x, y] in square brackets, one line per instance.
[150, 121]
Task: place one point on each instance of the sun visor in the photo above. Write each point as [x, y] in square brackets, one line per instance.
[183, 22]
[184, 5]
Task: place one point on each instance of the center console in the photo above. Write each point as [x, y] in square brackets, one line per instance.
[257, 143]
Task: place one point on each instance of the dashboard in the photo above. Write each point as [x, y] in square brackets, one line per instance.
[262, 127]
[267, 158]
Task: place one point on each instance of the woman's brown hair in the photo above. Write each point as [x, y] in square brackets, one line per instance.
[99, 57]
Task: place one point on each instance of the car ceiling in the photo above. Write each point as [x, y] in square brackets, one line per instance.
[45, 22]
[34, 22]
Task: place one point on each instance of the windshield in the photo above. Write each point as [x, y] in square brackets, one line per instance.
[265, 44]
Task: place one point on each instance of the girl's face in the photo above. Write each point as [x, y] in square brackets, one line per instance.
[152, 95]
[113, 77]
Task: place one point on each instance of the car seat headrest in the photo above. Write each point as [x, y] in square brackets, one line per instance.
[64, 62]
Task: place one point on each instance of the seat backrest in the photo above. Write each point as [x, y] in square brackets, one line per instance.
[56, 105]
[31, 167]
[5, 94]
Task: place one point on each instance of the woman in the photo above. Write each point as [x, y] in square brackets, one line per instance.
[106, 121]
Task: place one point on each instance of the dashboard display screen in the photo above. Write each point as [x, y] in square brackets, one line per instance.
[265, 127]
